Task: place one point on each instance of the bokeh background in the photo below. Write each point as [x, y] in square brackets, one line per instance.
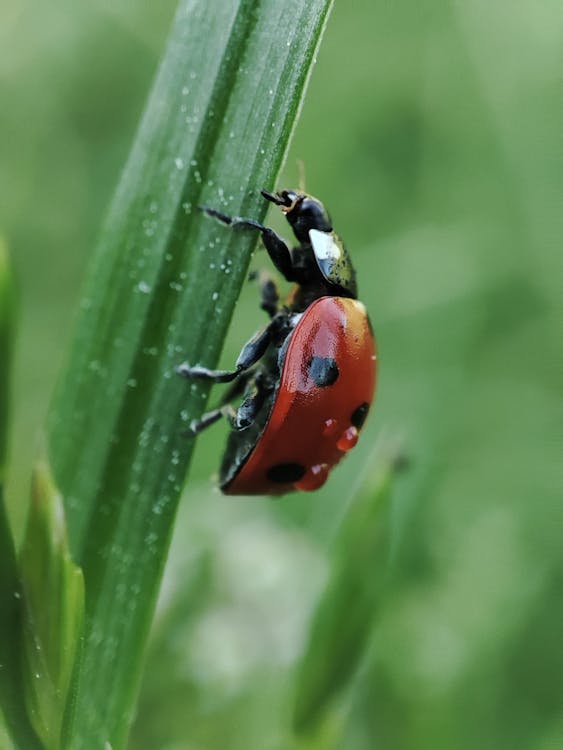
[433, 132]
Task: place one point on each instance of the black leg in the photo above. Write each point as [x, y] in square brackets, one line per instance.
[253, 402]
[279, 253]
[277, 249]
[240, 418]
[236, 388]
[250, 354]
[201, 424]
[203, 373]
[198, 425]
[232, 221]
[269, 296]
[254, 349]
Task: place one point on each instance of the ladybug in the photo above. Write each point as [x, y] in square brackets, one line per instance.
[307, 379]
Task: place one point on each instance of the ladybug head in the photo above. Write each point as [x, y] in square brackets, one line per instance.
[312, 226]
[302, 211]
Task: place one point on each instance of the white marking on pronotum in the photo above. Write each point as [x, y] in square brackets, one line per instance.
[324, 245]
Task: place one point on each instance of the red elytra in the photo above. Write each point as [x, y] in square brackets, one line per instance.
[311, 427]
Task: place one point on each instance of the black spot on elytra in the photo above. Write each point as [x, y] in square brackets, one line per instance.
[359, 415]
[285, 473]
[324, 371]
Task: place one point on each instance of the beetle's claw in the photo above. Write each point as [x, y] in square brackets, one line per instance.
[219, 215]
[184, 370]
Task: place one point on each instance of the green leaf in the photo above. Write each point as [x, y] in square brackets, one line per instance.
[11, 689]
[344, 616]
[11, 685]
[6, 336]
[5, 741]
[161, 289]
[53, 590]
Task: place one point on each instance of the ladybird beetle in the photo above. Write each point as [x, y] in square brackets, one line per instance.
[307, 379]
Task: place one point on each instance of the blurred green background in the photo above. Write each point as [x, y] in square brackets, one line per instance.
[433, 132]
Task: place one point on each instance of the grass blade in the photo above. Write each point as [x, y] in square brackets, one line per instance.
[53, 591]
[6, 338]
[11, 688]
[161, 289]
[344, 616]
